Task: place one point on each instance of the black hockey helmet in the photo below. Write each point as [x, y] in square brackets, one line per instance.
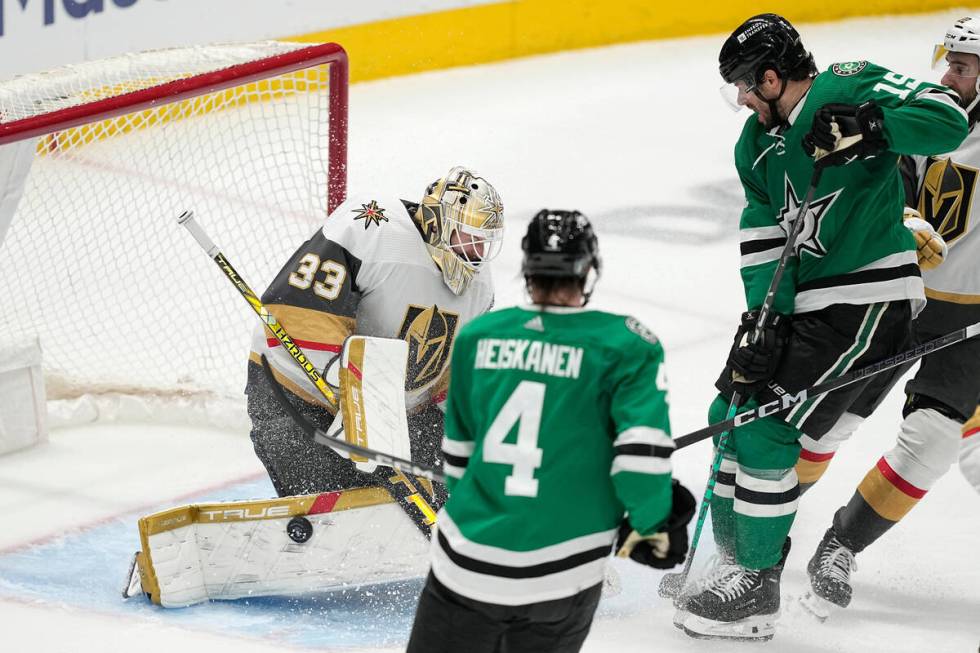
[764, 42]
[561, 244]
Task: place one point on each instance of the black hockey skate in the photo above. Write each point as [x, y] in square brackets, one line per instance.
[719, 565]
[742, 604]
[830, 576]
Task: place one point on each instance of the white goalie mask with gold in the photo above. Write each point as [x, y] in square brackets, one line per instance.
[462, 220]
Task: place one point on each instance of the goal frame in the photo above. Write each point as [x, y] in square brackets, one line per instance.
[236, 75]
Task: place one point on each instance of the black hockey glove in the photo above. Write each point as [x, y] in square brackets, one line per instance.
[750, 364]
[842, 133]
[668, 546]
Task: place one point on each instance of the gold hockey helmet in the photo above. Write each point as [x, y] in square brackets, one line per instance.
[462, 219]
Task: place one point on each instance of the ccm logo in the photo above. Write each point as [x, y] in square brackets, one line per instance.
[245, 513]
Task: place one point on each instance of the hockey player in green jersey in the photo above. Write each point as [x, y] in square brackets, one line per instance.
[556, 424]
[847, 296]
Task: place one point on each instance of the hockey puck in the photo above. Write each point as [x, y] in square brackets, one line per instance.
[299, 529]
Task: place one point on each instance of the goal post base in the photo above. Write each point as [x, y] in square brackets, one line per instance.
[23, 413]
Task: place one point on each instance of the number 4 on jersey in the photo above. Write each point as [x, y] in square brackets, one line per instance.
[523, 407]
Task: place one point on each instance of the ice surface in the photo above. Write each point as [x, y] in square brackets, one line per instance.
[635, 136]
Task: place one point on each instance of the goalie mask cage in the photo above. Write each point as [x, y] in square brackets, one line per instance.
[252, 137]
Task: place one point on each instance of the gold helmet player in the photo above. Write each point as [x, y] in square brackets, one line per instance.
[462, 220]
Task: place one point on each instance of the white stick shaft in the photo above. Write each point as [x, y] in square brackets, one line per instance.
[187, 219]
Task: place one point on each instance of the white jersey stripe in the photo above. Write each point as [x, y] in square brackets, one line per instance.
[458, 447]
[644, 435]
[765, 510]
[910, 288]
[750, 234]
[758, 258]
[513, 591]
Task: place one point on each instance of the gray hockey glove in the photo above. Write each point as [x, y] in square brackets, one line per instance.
[750, 364]
[842, 133]
[668, 546]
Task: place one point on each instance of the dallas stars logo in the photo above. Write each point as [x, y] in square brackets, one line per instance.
[371, 213]
[809, 236]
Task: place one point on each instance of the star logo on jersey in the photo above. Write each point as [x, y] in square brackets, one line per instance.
[429, 333]
[848, 68]
[371, 213]
[808, 239]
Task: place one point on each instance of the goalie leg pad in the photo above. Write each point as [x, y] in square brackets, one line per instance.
[277, 547]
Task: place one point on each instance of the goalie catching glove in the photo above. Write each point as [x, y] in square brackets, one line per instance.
[751, 364]
[842, 133]
[667, 547]
[930, 247]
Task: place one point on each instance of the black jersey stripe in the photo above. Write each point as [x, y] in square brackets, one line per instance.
[637, 449]
[456, 461]
[756, 246]
[532, 571]
[767, 498]
[864, 276]
[725, 478]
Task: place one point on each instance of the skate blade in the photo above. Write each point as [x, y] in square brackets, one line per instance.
[680, 616]
[612, 585]
[759, 628]
[817, 607]
[135, 585]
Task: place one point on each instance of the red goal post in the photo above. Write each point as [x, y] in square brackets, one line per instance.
[252, 137]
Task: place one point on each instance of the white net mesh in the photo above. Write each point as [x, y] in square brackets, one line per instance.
[94, 263]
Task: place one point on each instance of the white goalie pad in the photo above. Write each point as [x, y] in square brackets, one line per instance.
[277, 547]
[22, 399]
[372, 396]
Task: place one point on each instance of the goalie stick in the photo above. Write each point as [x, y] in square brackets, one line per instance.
[400, 486]
[187, 220]
[672, 584]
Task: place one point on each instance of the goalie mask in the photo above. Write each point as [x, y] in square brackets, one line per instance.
[462, 220]
[562, 244]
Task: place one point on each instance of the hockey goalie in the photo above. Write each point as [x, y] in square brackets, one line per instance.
[374, 299]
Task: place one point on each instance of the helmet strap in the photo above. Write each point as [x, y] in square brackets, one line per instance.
[973, 108]
[774, 117]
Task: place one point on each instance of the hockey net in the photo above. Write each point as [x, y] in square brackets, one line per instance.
[251, 137]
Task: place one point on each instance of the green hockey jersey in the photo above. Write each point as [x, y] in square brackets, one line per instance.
[853, 248]
[556, 425]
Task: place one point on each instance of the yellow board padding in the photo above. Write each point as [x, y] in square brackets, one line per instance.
[519, 28]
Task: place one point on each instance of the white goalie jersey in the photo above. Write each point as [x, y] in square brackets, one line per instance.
[368, 271]
[948, 198]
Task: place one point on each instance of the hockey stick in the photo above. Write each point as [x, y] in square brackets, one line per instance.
[788, 400]
[187, 220]
[672, 584]
[414, 505]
